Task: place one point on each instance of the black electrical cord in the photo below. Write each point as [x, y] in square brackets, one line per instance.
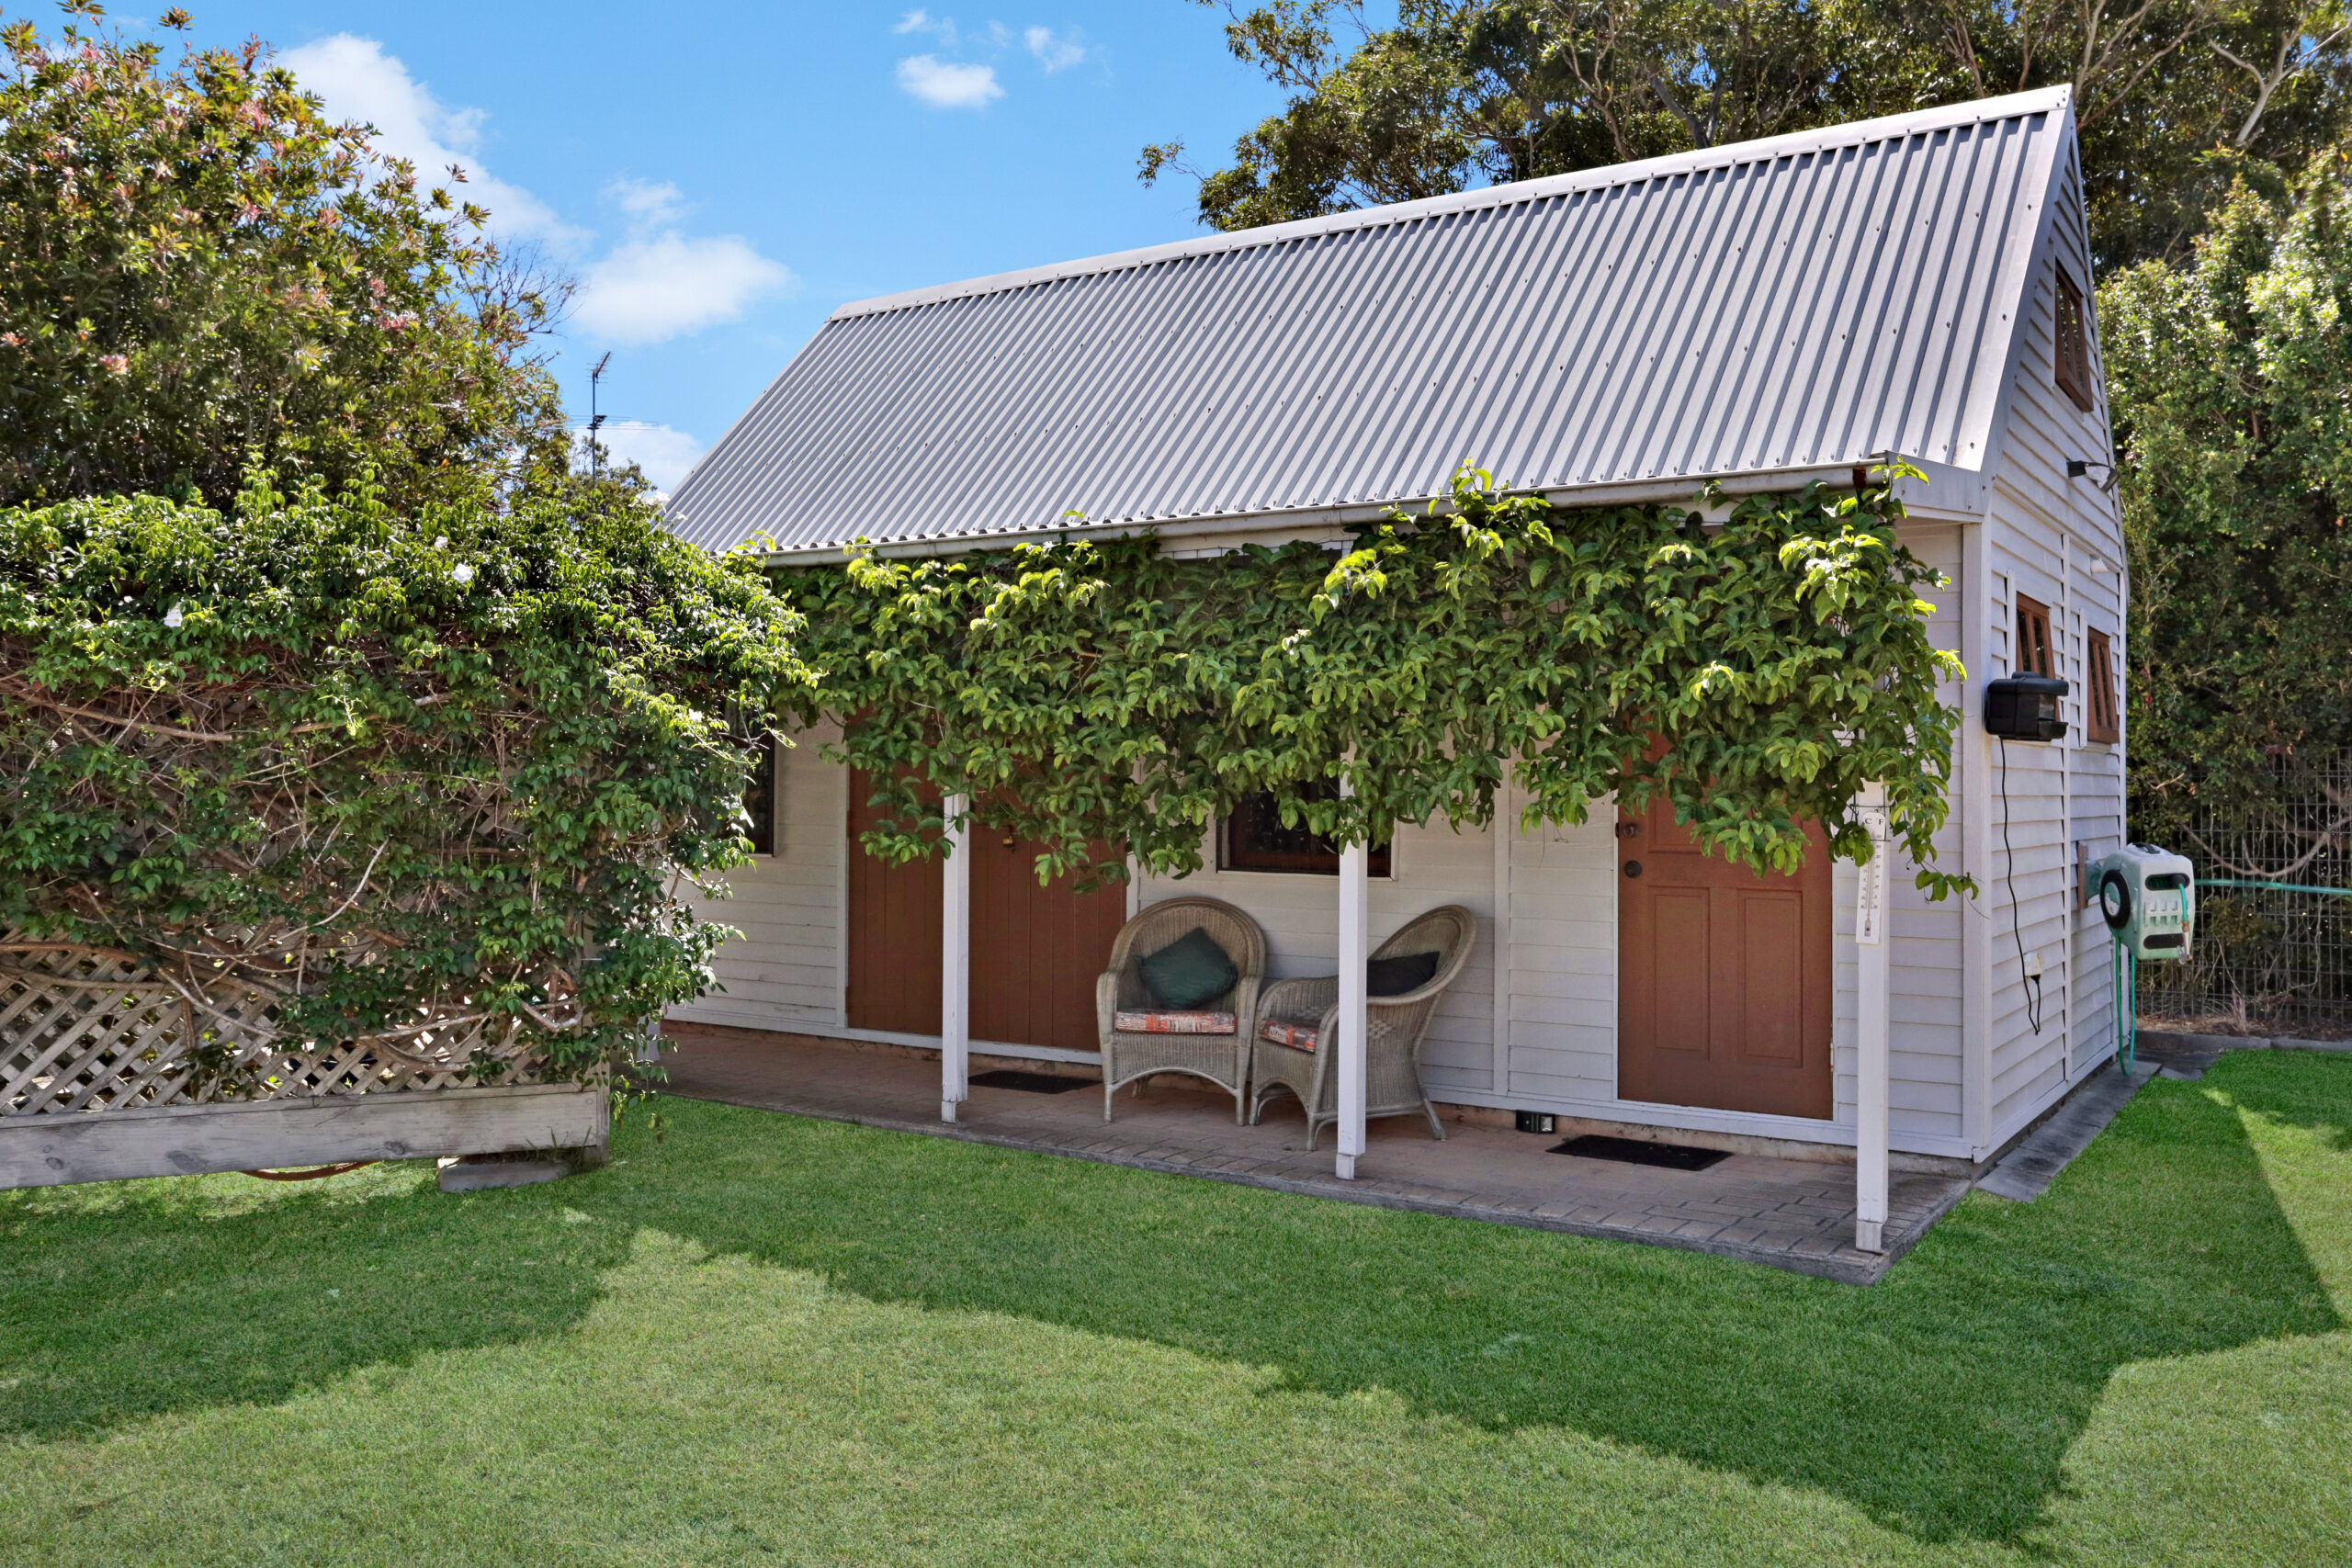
[2017, 929]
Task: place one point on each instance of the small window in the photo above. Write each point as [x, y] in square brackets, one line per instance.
[759, 796]
[2104, 724]
[2074, 347]
[1252, 837]
[2034, 639]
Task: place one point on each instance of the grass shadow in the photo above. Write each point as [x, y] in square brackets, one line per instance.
[2310, 1090]
[1942, 1401]
[128, 1300]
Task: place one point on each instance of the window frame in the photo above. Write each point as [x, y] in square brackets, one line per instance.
[763, 793]
[2102, 719]
[2032, 616]
[2070, 336]
[1233, 854]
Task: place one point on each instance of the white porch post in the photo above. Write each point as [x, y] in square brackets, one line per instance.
[954, 963]
[1873, 1027]
[1355, 948]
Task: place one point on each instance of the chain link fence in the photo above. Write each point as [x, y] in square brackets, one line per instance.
[2273, 948]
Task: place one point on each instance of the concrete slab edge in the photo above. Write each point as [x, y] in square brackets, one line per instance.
[2159, 1039]
[2026, 1172]
[1371, 1195]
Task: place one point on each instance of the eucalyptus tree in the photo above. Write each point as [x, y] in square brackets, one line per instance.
[198, 269]
[2175, 94]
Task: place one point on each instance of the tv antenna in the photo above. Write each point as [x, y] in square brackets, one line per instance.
[597, 420]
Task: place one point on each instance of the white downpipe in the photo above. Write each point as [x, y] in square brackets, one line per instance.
[1873, 1027]
[1355, 948]
[956, 962]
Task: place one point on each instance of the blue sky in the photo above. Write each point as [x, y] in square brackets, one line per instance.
[721, 177]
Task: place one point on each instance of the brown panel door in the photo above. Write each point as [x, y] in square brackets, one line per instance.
[1035, 951]
[894, 929]
[1724, 978]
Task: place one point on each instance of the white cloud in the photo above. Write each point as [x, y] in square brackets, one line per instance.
[358, 81]
[665, 455]
[946, 87]
[1054, 53]
[942, 28]
[663, 286]
[657, 284]
[647, 202]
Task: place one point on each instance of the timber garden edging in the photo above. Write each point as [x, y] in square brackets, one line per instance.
[110, 1071]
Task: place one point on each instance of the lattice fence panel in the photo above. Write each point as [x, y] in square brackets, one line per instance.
[86, 1031]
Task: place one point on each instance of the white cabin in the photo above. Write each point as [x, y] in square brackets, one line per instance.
[1764, 314]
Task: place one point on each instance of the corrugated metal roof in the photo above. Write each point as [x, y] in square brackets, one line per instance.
[1796, 302]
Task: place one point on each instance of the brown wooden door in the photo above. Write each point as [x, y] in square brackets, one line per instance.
[1035, 951]
[1724, 976]
[894, 930]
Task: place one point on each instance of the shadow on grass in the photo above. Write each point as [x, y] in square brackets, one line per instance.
[1942, 1401]
[2307, 1089]
[127, 1299]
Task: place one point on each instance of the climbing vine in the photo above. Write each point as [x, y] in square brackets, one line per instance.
[1756, 671]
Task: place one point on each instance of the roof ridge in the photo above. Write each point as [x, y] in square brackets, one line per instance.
[1852, 133]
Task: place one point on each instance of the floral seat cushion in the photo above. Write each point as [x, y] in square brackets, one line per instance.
[1171, 1022]
[1298, 1033]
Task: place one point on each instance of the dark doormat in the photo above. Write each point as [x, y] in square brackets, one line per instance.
[1032, 1083]
[1634, 1151]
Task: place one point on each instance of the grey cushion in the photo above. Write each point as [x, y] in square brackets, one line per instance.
[1394, 976]
[1189, 971]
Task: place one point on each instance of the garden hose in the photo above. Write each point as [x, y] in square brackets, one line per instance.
[316, 1173]
[2127, 1007]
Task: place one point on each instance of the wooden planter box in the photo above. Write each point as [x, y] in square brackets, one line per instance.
[186, 1140]
[97, 1084]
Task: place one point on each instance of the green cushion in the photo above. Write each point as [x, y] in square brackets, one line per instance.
[1394, 976]
[1189, 971]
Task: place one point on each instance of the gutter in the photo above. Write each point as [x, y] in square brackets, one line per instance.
[1951, 494]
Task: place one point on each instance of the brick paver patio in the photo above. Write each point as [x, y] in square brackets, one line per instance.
[1796, 1214]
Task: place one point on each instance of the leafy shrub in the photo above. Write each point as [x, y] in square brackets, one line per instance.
[2230, 377]
[407, 776]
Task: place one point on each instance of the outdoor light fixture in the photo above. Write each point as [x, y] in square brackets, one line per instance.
[2076, 467]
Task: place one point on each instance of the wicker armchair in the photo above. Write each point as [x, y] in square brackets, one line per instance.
[1223, 1059]
[1393, 1030]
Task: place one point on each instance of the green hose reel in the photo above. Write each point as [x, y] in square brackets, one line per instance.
[2148, 898]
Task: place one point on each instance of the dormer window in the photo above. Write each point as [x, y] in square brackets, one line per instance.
[2073, 349]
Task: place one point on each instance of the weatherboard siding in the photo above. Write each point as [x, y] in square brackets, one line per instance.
[785, 971]
[2044, 533]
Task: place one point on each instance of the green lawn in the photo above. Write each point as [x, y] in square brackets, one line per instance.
[763, 1339]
